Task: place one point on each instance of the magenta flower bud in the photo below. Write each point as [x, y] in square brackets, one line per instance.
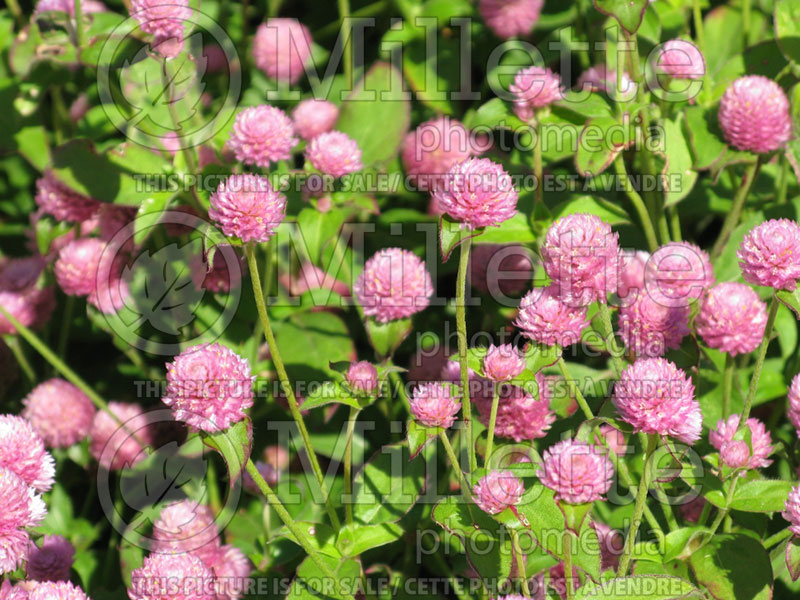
[59, 412]
[173, 577]
[734, 454]
[601, 79]
[478, 193]
[186, 527]
[77, 265]
[209, 387]
[313, 117]
[754, 114]
[432, 149]
[681, 59]
[22, 451]
[760, 440]
[792, 510]
[434, 405]
[655, 396]
[22, 507]
[650, 328]
[117, 446]
[535, 88]
[498, 491]
[631, 273]
[231, 569]
[678, 273]
[56, 199]
[503, 363]
[520, 416]
[510, 18]
[281, 48]
[262, 135]
[393, 285]
[770, 254]
[578, 473]
[362, 377]
[247, 207]
[793, 408]
[52, 560]
[732, 318]
[334, 153]
[500, 268]
[164, 19]
[545, 318]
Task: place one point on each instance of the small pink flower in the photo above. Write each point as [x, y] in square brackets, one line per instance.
[313, 117]
[793, 408]
[792, 510]
[544, 317]
[498, 491]
[56, 199]
[434, 405]
[164, 19]
[247, 207]
[760, 441]
[281, 48]
[510, 18]
[22, 451]
[754, 114]
[535, 88]
[59, 412]
[650, 328]
[732, 318]
[55, 590]
[77, 266]
[432, 149]
[231, 570]
[22, 507]
[267, 471]
[186, 527]
[734, 454]
[117, 446]
[631, 274]
[503, 363]
[770, 254]
[21, 294]
[262, 135]
[520, 416]
[578, 473]
[362, 377]
[615, 439]
[334, 153]
[601, 79]
[500, 268]
[52, 560]
[67, 6]
[678, 273]
[681, 59]
[172, 577]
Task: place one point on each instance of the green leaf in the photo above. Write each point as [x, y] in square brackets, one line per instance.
[639, 587]
[628, 13]
[147, 217]
[418, 436]
[681, 543]
[381, 493]
[793, 558]
[452, 234]
[791, 299]
[356, 540]
[678, 169]
[318, 229]
[516, 230]
[787, 28]
[310, 584]
[599, 143]
[314, 340]
[761, 495]
[494, 114]
[705, 136]
[329, 392]
[321, 536]
[386, 337]
[234, 444]
[734, 566]
[592, 205]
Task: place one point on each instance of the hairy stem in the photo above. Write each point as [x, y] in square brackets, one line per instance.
[762, 354]
[347, 32]
[461, 323]
[451, 456]
[616, 353]
[732, 219]
[492, 424]
[348, 465]
[568, 572]
[727, 381]
[520, 562]
[638, 509]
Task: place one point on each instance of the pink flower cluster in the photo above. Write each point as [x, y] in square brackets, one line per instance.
[435, 405]
[792, 510]
[503, 363]
[650, 328]
[247, 207]
[535, 88]
[334, 153]
[362, 377]
[497, 491]
[601, 79]
[681, 59]
[770, 254]
[754, 114]
[52, 560]
[164, 19]
[281, 48]
[432, 149]
[732, 318]
[262, 135]
[546, 318]
[56, 199]
[737, 453]
[22, 294]
[119, 441]
[520, 416]
[22, 451]
[793, 408]
[510, 18]
[313, 117]
[678, 273]
[578, 473]
[59, 412]
[22, 508]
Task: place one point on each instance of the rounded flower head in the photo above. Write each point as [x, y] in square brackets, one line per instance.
[500, 268]
[262, 135]
[578, 473]
[503, 363]
[754, 114]
[732, 318]
[31, 306]
[434, 405]
[534, 88]
[792, 510]
[186, 527]
[334, 153]
[209, 387]
[544, 317]
[432, 149]
[52, 560]
[281, 48]
[770, 254]
[655, 396]
[77, 264]
[172, 577]
[650, 328]
[393, 285]
[520, 416]
[231, 570]
[88, 7]
[164, 19]
[681, 59]
[22, 507]
[22, 451]
[601, 79]
[678, 273]
[478, 193]
[313, 117]
[117, 446]
[55, 590]
[510, 18]
[362, 377]
[498, 491]
[631, 273]
[247, 207]
[59, 412]
[580, 254]
[793, 408]
[56, 199]
[722, 439]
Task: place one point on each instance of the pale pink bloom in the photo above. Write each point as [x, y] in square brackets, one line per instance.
[503, 363]
[792, 510]
[678, 273]
[312, 117]
[578, 473]
[362, 377]
[793, 408]
[334, 153]
[59, 412]
[732, 318]
[770, 254]
[760, 440]
[520, 416]
[22, 451]
[68, 6]
[247, 207]
[55, 590]
[164, 19]
[231, 570]
[497, 491]
[77, 266]
[754, 114]
[262, 135]
[186, 527]
[52, 560]
[277, 456]
[650, 328]
[544, 317]
[9, 592]
[432, 149]
[22, 507]
[614, 438]
[510, 18]
[172, 577]
[600, 79]
[434, 405]
[56, 199]
[117, 446]
[681, 59]
[266, 471]
[631, 273]
[500, 268]
[535, 88]
[281, 48]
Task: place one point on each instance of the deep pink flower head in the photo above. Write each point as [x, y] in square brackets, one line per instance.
[164, 19]
[732, 318]
[793, 408]
[186, 526]
[267, 471]
[578, 473]
[519, 415]
[362, 377]
[678, 273]
[770, 254]
[334, 153]
[754, 114]
[503, 363]
[59, 412]
[312, 117]
[601, 79]
[581, 254]
[22, 451]
[432, 149]
[56, 199]
[22, 295]
[510, 18]
[655, 396]
[172, 577]
[478, 193]
[209, 387]
[118, 446]
[435, 405]
[22, 507]
[792, 510]
[77, 265]
[262, 135]
[544, 317]
[393, 285]
[760, 440]
[281, 49]
[649, 328]
[681, 59]
[247, 207]
[52, 560]
[54, 590]
[534, 88]
[631, 274]
[231, 570]
[497, 491]
[500, 268]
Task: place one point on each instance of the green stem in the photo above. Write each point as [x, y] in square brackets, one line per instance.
[568, 572]
[19, 353]
[538, 170]
[255, 279]
[520, 562]
[732, 219]
[638, 509]
[347, 31]
[777, 538]
[13, 6]
[611, 339]
[401, 389]
[724, 512]
[78, 24]
[451, 455]
[727, 381]
[698, 26]
[638, 204]
[762, 354]
[574, 391]
[783, 181]
[492, 423]
[461, 323]
[348, 466]
[675, 223]
[370, 10]
[746, 11]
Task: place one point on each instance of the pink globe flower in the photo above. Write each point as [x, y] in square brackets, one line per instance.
[281, 48]
[267, 471]
[760, 440]
[498, 491]
[22, 507]
[334, 153]
[792, 510]
[534, 88]
[631, 274]
[247, 207]
[732, 318]
[601, 79]
[231, 570]
[362, 377]
[510, 18]
[545, 318]
[793, 408]
[578, 473]
[59, 412]
[681, 59]
[503, 363]
[31, 306]
[22, 451]
[117, 446]
[432, 149]
[478, 193]
[172, 577]
[164, 19]
[657, 397]
[209, 387]
[754, 114]
[650, 328]
[262, 135]
[678, 273]
[520, 416]
[313, 117]
[56, 199]
[393, 285]
[434, 405]
[66, 6]
[581, 255]
[52, 560]
[54, 590]
[77, 266]
[770, 254]
[500, 268]
[615, 439]
[186, 527]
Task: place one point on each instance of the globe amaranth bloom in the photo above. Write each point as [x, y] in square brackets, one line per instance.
[534, 88]
[22, 295]
[432, 149]
[791, 511]
[77, 266]
[793, 408]
[478, 193]
[732, 318]
[500, 268]
[657, 397]
[52, 590]
[172, 576]
[503, 363]
[362, 377]
[754, 114]
[546, 318]
[52, 560]
[497, 491]
[22, 507]
[262, 135]
[649, 328]
[631, 274]
[56, 199]
[247, 207]
[66, 6]
[681, 59]
[312, 117]
[186, 527]
[599, 78]
[678, 273]
[22, 450]
[393, 285]
[116, 446]
[510, 18]
[281, 48]
[722, 438]
[578, 473]
[209, 387]
[770, 254]
[231, 569]
[164, 19]
[434, 405]
[59, 412]
[520, 416]
[334, 153]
